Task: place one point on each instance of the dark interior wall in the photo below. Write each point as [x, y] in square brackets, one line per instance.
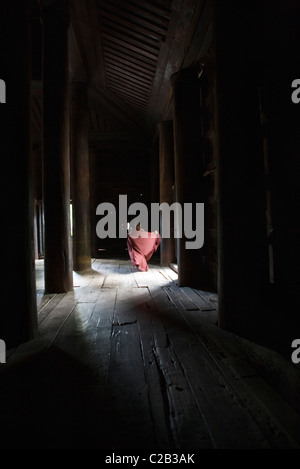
[266, 48]
[36, 43]
[259, 167]
[280, 65]
[200, 57]
[118, 168]
[19, 323]
[210, 168]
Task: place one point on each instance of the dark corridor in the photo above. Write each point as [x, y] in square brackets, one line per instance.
[171, 103]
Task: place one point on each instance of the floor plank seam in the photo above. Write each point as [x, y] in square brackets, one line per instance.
[191, 387]
[173, 390]
[144, 358]
[162, 340]
[46, 303]
[42, 316]
[60, 327]
[261, 405]
[165, 398]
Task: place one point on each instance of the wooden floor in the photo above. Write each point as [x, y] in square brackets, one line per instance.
[130, 360]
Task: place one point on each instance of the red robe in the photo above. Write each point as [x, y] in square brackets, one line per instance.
[141, 246]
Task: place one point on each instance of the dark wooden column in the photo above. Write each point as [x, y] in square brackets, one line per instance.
[58, 258]
[282, 143]
[188, 166]
[18, 316]
[154, 172]
[80, 178]
[166, 181]
[242, 233]
[94, 200]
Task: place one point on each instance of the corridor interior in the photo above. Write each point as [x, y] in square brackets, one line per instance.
[130, 360]
[162, 102]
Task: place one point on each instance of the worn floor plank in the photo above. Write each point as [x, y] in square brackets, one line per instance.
[131, 360]
[266, 407]
[127, 410]
[213, 394]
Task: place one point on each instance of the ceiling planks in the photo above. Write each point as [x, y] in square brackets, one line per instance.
[129, 50]
[132, 34]
[126, 52]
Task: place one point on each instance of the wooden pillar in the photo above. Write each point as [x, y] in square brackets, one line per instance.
[58, 258]
[80, 178]
[242, 233]
[37, 157]
[282, 148]
[154, 172]
[18, 318]
[94, 200]
[188, 167]
[166, 182]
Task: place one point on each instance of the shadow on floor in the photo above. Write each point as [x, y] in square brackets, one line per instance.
[53, 401]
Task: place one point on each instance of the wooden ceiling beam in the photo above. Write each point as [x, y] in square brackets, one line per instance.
[139, 13]
[118, 27]
[127, 37]
[132, 56]
[132, 92]
[112, 18]
[142, 108]
[158, 10]
[132, 101]
[129, 87]
[132, 63]
[105, 102]
[143, 104]
[130, 47]
[170, 55]
[115, 68]
[129, 50]
[125, 13]
[136, 103]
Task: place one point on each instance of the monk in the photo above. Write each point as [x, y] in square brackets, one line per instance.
[141, 246]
